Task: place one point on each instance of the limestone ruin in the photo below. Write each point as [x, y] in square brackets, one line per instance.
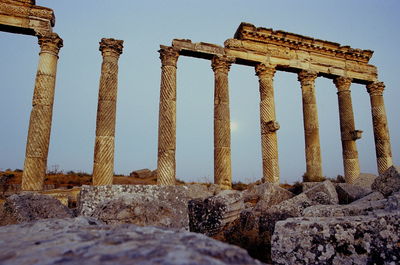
[264, 49]
[269, 51]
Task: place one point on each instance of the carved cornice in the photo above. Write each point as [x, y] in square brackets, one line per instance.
[221, 63]
[376, 88]
[26, 9]
[50, 42]
[307, 77]
[169, 56]
[270, 126]
[263, 70]
[248, 31]
[342, 83]
[111, 46]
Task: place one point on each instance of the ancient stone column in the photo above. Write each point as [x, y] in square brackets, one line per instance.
[103, 166]
[166, 165]
[269, 125]
[311, 127]
[347, 129]
[222, 131]
[381, 130]
[37, 146]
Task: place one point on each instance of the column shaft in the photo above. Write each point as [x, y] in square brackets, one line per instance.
[347, 128]
[269, 126]
[381, 131]
[103, 166]
[311, 127]
[37, 146]
[166, 165]
[222, 131]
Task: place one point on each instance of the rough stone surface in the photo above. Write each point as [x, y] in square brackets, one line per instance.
[388, 182]
[374, 196]
[365, 180]
[141, 173]
[86, 241]
[30, 207]
[360, 240]
[348, 193]
[360, 208]
[127, 203]
[263, 196]
[210, 215]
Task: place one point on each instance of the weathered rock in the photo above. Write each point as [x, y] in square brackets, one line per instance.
[254, 229]
[388, 182]
[374, 196]
[348, 193]
[30, 207]
[128, 203]
[263, 196]
[360, 208]
[86, 241]
[210, 215]
[365, 180]
[308, 185]
[141, 173]
[371, 239]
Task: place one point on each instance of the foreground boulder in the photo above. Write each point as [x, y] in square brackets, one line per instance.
[30, 207]
[347, 193]
[388, 182]
[371, 239]
[86, 241]
[164, 206]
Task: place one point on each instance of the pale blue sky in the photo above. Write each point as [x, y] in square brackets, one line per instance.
[144, 25]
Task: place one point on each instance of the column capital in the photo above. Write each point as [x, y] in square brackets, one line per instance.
[376, 88]
[50, 42]
[342, 83]
[264, 70]
[169, 56]
[221, 63]
[111, 47]
[307, 77]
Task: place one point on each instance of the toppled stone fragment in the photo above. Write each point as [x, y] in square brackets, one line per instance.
[263, 196]
[388, 182]
[210, 215]
[348, 193]
[31, 207]
[371, 239]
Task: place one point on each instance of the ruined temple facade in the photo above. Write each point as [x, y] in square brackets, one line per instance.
[269, 51]
[24, 17]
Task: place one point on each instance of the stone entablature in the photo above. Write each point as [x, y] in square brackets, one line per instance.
[24, 17]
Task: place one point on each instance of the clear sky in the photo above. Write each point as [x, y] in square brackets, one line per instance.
[144, 25]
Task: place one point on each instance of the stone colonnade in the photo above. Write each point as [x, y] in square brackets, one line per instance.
[103, 165]
[269, 126]
[37, 146]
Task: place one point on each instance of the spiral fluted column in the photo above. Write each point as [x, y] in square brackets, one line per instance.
[222, 130]
[311, 127]
[381, 131]
[269, 126]
[347, 129]
[103, 166]
[37, 146]
[166, 164]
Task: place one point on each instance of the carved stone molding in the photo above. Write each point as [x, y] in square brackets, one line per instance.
[169, 56]
[271, 126]
[356, 134]
[376, 88]
[50, 42]
[221, 63]
[111, 46]
[264, 70]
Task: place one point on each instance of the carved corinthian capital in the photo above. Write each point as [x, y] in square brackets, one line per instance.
[263, 70]
[375, 88]
[50, 42]
[342, 83]
[169, 56]
[221, 63]
[307, 77]
[111, 47]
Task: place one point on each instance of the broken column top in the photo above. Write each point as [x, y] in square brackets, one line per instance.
[247, 31]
